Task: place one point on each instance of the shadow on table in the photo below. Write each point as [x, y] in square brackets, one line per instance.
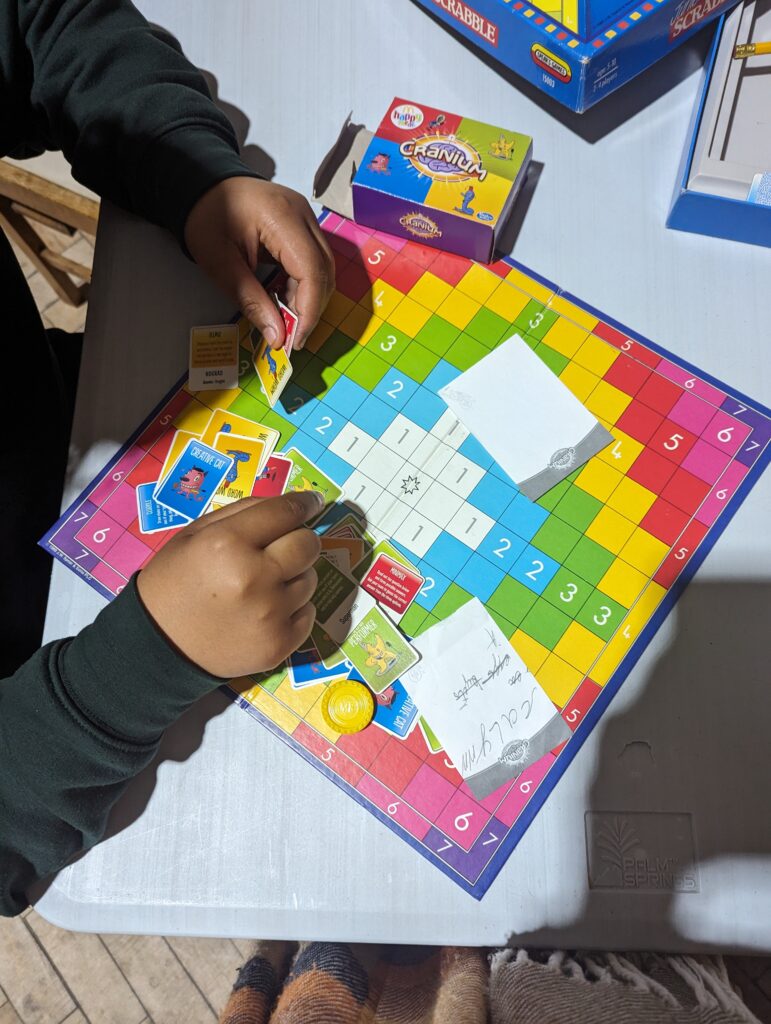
[620, 106]
[686, 766]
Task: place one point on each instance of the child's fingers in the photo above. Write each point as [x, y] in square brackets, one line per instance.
[263, 523]
[301, 625]
[304, 259]
[222, 513]
[234, 275]
[295, 552]
[300, 590]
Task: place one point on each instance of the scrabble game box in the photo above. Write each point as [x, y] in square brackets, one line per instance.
[577, 51]
[441, 179]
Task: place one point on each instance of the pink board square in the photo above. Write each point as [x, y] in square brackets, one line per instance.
[695, 385]
[397, 244]
[116, 475]
[428, 792]
[353, 233]
[462, 820]
[100, 533]
[492, 802]
[690, 412]
[706, 462]
[526, 785]
[128, 554]
[393, 806]
[332, 222]
[122, 505]
[726, 433]
[109, 578]
[721, 493]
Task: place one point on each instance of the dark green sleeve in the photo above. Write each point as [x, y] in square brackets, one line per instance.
[77, 721]
[130, 112]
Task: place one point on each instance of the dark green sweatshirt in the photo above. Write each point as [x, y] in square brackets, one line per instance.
[82, 716]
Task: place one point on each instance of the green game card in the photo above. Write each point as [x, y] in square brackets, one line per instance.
[378, 650]
[434, 745]
[306, 476]
[332, 589]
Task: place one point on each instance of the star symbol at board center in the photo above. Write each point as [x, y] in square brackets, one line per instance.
[410, 485]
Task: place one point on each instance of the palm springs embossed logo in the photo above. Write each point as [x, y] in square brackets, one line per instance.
[645, 851]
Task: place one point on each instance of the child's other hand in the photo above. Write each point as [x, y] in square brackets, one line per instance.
[233, 221]
[232, 590]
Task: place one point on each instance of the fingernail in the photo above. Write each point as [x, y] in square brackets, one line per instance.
[270, 334]
[320, 499]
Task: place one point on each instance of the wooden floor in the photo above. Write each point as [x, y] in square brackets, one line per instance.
[50, 976]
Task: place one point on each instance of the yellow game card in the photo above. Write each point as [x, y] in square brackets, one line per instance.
[177, 447]
[213, 358]
[222, 421]
[247, 454]
[273, 368]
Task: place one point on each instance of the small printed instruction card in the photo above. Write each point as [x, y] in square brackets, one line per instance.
[213, 358]
[531, 424]
[490, 714]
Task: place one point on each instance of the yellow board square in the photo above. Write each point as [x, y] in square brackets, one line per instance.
[627, 633]
[623, 583]
[478, 283]
[607, 401]
[275, 710]
[244, 330]
[507, 301]
[598, 479]
[564, 337]
[338, 307]
[533, 288]
[622, 452]
[610, 529]
[218, 399]
[559, 304]
[409, 317]
[579, 647]
[318, 336]
[644, 551]
[459, 309]
[382, 298]
[193, 418]
[430, 291]
[596, 355]
[315, 719]
[530, 651]
[300, 701]
[559, 680]
[580, 381]
[631, 499]
[360, 322]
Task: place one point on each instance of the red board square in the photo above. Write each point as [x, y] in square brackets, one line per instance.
[363, 747]
[659, 393]
[627, 374]
[575, 709]
[375, 257]
[353, 282]
[651, 470]
[395, 766]
[665, 521]
[610, 334]
[416, 744]
[343, 245]
[402, 274]
[452, 268]
[639, 421]
[686, 491]
[441, 763]
[145, 472]
[423, 255]
[672, 441]
[677, 559]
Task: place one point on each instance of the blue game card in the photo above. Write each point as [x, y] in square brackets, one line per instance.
[395, 710]
[154, 517]
[307, 669]
[193, 479]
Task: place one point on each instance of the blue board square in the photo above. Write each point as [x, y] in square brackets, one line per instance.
[479, 577]
[501, 474]
[324, 423]
[425, 408]
[534, 568]
[374, 416]
[336, 468]
[491, 496]
[434, 588]
[524, 517]
[473, 450]
[448, 552]
[441, 374]
[305, 443]
[396, 389]
[345, 396]
[296, 403]
[502, 547]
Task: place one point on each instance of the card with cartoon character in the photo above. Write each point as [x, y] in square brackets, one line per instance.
[193, 480]
[377, 650]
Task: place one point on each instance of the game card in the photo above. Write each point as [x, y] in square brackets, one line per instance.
[335, 596]
[353, 547]
[225, 422]
[377, 650]
[432, 742]
[531, 424]
[338, 557]
[154, 517]
[247, 454]
[305, 476]
[392, 584]
[273, 369]
[213, 358]
[395, 710]
[307, 669]
[178, 443]
[272, 479]
[193, 480]
[291, 320]
[489, 712]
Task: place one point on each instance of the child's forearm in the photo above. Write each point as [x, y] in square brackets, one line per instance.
[77, 721]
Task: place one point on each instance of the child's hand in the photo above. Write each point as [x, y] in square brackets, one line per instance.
[232, 222]
[232, 590]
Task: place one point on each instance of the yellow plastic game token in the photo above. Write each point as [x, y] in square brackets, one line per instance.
[347, 706]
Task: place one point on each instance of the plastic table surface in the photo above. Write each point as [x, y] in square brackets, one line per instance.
[230, 833]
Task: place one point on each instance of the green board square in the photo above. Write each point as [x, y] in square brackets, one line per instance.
[601, 614]
[550, 499]
[412, 619]
[367, 369]
[272, 419]
[507, 628]
[487, 327]
[589, 560]
[338, 350]
[429, 621]
[450, 601]
[437, 335]
[556, 539]
[316, 377]
[270, 681]
[545, 623]
[388, 343]
[512, 600]
[554, 360]
[417, 362]
[535, 320]
[250, 406]
[246, 370]
[577, 507]
[464, 352]
[568, 592]
[300, 358]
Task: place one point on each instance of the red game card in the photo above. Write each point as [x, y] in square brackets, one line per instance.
[291, 320]
[392, 584]
[272, 480]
